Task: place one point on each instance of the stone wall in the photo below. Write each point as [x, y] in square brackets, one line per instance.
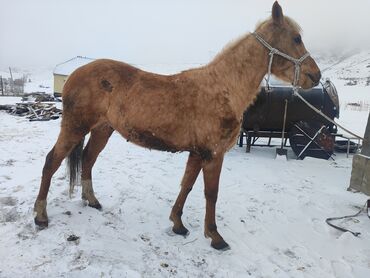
[360, 177]
[366, 145]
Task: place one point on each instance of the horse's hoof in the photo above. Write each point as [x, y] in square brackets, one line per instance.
[42, 224]
[96, 206]
[180, 231]
[221, 245]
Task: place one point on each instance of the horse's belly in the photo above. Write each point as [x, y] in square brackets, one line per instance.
[150, 140]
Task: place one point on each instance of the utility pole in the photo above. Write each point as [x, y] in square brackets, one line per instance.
[1, 85]
[11, 75]
[11, 81]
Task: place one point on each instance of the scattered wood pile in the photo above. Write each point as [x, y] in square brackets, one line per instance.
[35, 111]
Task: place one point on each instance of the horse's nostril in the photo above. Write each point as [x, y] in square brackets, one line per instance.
[315, 77]
[311, 76]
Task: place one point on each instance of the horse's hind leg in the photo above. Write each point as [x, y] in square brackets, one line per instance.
[193, 168]
[64, 145]
[98, 139]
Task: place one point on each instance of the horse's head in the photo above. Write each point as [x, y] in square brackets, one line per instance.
[283, 34]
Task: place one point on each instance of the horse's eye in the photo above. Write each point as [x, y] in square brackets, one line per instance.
[298, 39]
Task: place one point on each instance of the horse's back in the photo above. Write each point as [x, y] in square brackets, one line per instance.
[87, 92]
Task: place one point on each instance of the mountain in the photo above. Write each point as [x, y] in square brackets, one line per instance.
[352, 69]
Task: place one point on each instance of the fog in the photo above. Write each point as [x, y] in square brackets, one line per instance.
[43, 33]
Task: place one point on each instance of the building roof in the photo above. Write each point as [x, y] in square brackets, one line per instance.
[67, 67]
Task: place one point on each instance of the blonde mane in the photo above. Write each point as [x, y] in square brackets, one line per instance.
[228, 47]
[236, 42]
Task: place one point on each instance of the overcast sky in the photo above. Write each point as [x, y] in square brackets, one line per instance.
[42, 33]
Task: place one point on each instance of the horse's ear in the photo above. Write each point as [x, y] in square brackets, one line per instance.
[277, 13]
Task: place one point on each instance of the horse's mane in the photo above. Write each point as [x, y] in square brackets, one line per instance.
[229, 47]
[234, 43]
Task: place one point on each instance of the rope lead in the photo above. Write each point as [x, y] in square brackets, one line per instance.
[296, 93]
[365, 208]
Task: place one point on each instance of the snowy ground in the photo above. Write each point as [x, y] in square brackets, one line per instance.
[272, 212]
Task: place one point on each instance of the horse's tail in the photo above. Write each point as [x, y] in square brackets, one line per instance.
[74, 162]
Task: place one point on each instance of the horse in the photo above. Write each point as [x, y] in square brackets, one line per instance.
[197, 111]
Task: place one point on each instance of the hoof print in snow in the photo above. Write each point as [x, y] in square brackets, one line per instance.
[67, 213]
[8, 212]
[8, 201]
[145, 238]
[73, 238]
[28, 232]
[165, 265]
[9, 162]
[8, 215]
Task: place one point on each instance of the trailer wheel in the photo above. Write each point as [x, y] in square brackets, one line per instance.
[311, 139]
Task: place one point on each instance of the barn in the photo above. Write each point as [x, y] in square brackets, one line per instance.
[63, 70]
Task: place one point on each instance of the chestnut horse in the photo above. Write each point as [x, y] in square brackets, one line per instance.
[198, 111]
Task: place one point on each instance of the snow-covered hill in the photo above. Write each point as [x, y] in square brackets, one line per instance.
[350, 72]
[354, 69]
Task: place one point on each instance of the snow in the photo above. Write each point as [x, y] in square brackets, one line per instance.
[41, 81]
[271, 211]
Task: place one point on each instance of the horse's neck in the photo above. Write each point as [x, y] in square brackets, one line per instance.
[240, 69]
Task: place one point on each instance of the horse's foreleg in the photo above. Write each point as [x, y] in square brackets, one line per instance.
[98, 139]
[211, 173]
[64, 145]
[193, 167]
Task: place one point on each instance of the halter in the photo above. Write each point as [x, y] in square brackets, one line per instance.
[297, 62]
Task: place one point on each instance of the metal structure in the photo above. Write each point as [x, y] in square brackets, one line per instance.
[309, 133]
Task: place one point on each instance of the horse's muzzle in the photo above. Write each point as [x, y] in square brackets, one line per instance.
[315, 78]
